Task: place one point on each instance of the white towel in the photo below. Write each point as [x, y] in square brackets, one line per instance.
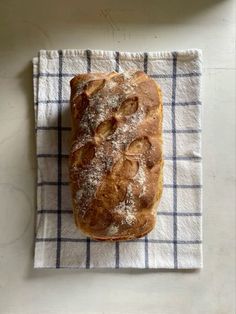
[176, 241]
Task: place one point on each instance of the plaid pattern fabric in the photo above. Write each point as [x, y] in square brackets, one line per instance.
[176, 241]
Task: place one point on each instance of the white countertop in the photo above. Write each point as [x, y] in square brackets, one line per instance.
[26, 27]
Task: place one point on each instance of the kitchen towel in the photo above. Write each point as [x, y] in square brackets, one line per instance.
[176, 241]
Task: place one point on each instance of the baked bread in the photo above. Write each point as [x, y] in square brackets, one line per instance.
[116, 159]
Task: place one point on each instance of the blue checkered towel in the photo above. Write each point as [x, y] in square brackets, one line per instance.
[176, 241]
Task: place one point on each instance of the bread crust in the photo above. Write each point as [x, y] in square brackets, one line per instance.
[116, 158]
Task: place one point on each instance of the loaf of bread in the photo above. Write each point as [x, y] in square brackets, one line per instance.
[116, 160]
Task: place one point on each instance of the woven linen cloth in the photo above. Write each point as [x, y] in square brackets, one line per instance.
[176, 241]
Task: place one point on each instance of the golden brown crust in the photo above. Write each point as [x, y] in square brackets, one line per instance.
[116, 160]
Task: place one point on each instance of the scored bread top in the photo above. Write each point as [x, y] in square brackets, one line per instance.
[116, 158]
